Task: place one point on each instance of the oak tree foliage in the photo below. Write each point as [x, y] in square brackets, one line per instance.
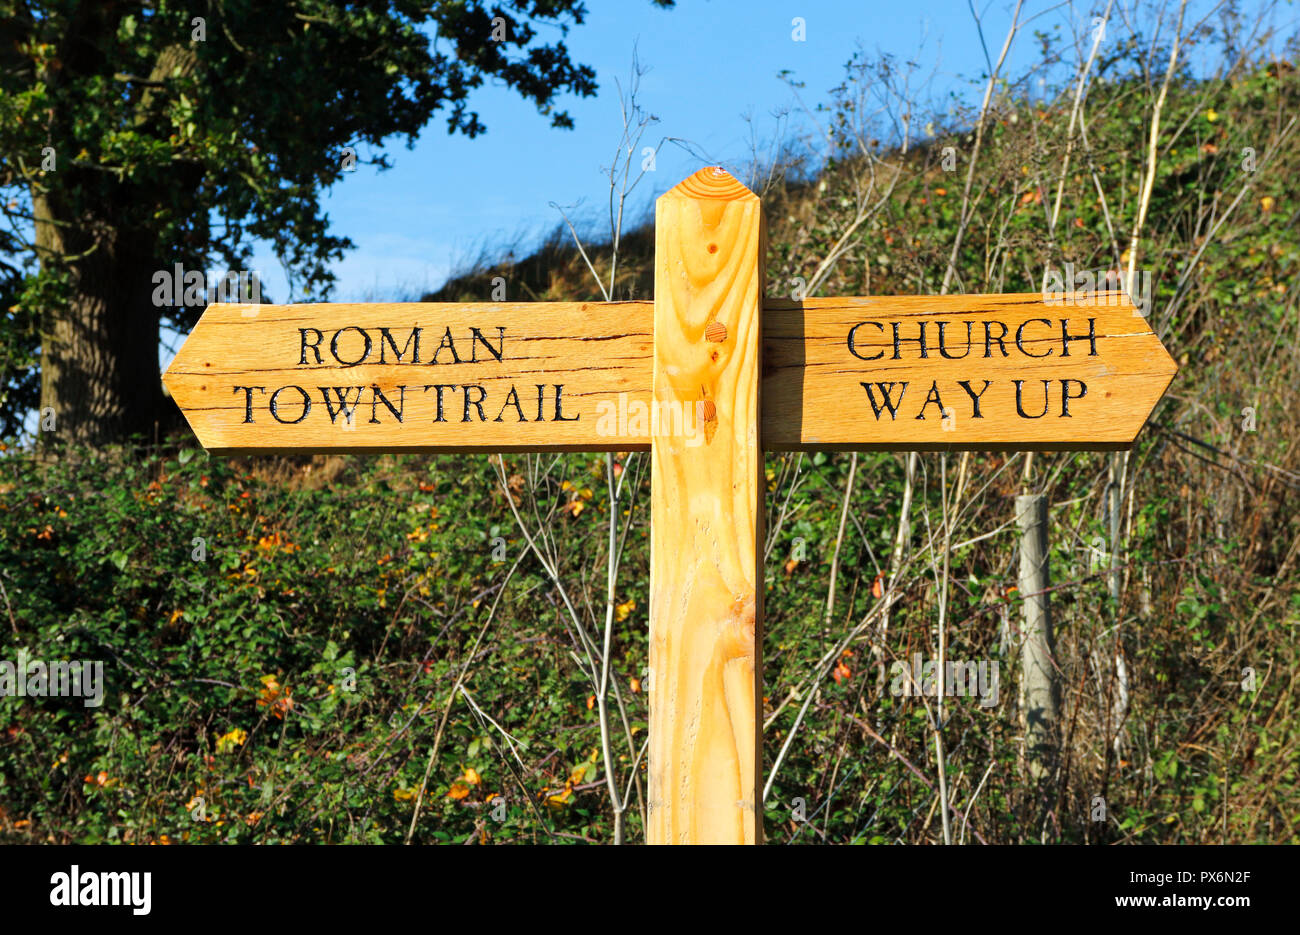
[138, 135]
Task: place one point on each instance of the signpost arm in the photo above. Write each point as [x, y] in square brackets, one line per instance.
[706, 533]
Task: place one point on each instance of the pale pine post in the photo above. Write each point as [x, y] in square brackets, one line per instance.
[1038, 665]
[706, 529]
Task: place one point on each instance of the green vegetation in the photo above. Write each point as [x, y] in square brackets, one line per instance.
[299, 678]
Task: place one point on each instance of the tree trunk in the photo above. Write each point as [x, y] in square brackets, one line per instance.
[99, 351]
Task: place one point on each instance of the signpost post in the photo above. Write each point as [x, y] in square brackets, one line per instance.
[706, 377]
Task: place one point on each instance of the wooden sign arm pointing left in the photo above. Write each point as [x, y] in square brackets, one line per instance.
[415, 376]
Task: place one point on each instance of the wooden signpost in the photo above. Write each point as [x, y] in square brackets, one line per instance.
[706, 377]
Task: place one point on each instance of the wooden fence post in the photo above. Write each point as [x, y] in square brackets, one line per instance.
[1038, 665]
[706, 539]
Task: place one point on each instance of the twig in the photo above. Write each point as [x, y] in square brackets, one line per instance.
[1149, 180]
[451, 697]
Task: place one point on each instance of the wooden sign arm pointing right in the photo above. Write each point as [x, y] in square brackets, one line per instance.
[1020, 372]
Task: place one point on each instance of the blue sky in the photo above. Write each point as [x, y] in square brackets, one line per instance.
[710, 63]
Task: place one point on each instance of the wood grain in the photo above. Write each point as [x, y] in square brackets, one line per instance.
[814, 397]
[706, 517]
[599, 353]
